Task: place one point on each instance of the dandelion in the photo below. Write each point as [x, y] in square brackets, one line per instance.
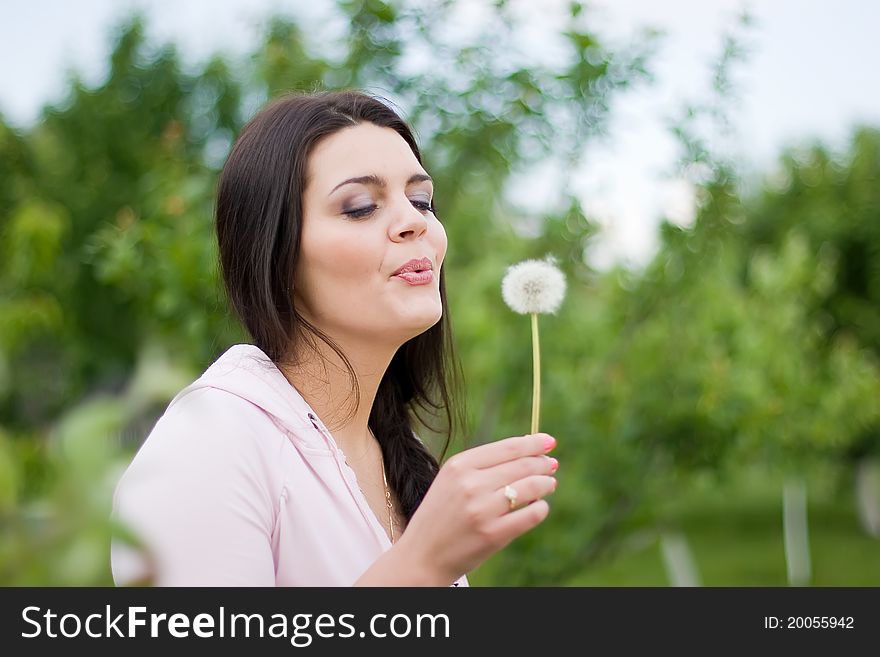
[532, 287]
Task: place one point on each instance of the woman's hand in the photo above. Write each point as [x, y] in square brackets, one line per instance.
[465, 516]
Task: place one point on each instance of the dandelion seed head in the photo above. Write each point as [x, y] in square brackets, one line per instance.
[534, 286]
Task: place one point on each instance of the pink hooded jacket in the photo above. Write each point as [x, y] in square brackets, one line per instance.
[241, 484]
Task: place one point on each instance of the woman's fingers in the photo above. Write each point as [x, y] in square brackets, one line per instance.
[521, 506]
[505, 473]
[508, 526]
[507, 449]
[522, 493]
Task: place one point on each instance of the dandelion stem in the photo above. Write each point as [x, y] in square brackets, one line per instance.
[536, 373]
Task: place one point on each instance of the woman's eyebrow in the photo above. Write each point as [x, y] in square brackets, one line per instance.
[379, 181]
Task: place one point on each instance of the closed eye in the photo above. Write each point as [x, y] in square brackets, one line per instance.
[424, 206]
[360, 212]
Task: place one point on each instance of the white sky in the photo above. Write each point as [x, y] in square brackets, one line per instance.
[810, 75]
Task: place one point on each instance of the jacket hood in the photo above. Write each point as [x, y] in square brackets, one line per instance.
[246, 371]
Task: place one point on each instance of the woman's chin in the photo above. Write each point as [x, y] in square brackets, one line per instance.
[414, 325]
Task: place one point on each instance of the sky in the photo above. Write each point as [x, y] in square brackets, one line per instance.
[809, 75]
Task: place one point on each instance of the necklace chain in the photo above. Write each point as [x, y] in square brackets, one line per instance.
[388, 501]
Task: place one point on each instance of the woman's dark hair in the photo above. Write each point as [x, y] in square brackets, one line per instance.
[259, 223]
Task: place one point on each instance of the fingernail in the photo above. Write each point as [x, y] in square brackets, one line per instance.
[554, 464]
[549, 443]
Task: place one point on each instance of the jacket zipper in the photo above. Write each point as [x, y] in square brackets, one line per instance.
[367, 513]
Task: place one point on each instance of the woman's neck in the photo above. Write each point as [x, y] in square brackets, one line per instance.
[324, 382]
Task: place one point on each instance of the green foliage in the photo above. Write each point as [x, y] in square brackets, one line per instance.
[834, 202]
[752, 337]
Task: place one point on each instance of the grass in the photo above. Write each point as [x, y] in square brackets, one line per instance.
[735, 534]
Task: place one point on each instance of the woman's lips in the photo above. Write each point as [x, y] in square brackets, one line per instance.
[417, 277]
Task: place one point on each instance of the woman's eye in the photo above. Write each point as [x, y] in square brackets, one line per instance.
[425, 206]
[357, 213]
[360, 212]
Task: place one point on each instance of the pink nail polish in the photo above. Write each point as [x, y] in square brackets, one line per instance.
[554, 465]
[549, 443]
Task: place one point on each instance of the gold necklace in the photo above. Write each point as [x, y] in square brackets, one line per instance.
[388, 502]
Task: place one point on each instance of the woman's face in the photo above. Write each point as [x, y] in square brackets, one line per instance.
[356, 235]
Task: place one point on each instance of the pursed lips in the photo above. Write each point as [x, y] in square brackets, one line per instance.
[415, 265]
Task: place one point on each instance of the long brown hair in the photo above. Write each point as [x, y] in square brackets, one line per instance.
[259, 223]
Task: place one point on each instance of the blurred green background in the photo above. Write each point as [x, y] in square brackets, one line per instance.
[716, 410]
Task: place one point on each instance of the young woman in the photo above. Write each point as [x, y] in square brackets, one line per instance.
[332, 256]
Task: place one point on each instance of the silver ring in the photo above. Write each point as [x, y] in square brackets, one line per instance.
[510, 494]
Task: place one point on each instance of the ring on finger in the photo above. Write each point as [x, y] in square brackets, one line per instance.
[511, 495]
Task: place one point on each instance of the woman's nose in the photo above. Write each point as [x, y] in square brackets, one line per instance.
[410, 222]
